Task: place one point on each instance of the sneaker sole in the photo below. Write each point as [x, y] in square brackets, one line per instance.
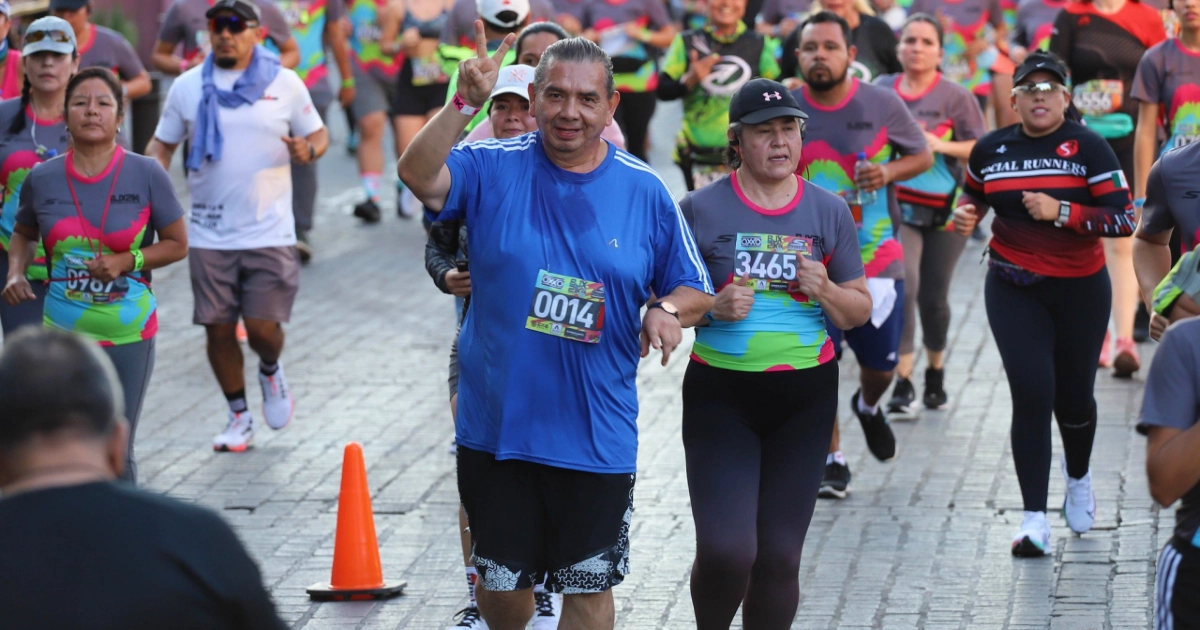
[906, 412]
[941, 407]
[829, 492]
[225, 448]
[1125, 365]
[1025, 548]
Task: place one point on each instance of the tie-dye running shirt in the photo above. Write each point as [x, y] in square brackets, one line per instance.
[307, 19]
[635, 64]
[139, 203]
[18, 155]
[784, 330]
[364, 41]
[875, 121]
[969, 21]
[1035, 23]
[1169, 76]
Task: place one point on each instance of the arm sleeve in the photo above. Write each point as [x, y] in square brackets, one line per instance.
[1062, 35]
[967, 117]
[305, 119]
[1170, 397]
[172, 126]
[675, 64]
[903, 131]
[677, 259]
[165, 208]
[440, 250]
[1148, 80]
[1112, 213]
[128, 64]
[171, 30]
[277, 25]
[844, 263]
[1156, 213]
[26, 215]
[768, 66]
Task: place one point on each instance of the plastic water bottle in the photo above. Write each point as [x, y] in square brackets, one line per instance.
[863, 197]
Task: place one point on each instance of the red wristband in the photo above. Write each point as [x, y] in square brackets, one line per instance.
[462, 106]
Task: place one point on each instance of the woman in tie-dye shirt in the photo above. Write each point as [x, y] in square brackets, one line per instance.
[97, 209]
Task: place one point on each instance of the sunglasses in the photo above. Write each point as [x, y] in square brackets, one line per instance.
[54, 36]
[234, 24]
[1036, 88]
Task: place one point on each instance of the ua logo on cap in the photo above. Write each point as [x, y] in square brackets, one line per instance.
[767, 96]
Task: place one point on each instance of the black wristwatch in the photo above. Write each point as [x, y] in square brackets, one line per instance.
[666, 306]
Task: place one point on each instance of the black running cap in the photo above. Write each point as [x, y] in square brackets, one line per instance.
[761, 100]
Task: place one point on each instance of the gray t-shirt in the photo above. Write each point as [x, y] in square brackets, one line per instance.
[460, 28]
[872, 120]
[185, 24]
[1035, 22]
[109, 49]
[1172, 399]
[1169, 77]
[1172, 195]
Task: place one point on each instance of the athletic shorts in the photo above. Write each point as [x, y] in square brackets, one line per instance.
[876, 348]
[529, 520]
[372, 94]
[1175, 586]
[416, 100]
[253, 283]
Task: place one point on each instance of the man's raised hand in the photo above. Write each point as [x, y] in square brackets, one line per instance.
[477, 75]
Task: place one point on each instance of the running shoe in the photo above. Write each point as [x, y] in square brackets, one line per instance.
[547, 608]
[935, 389]
[469, 617]
[1141, 323]
[1127, 361]
[1079, 506]
[1106, 351]
[1033, 540]
[368, 211]
[304, 248]
[880, 439]
[904, 398]
[278, 404]
[836, 482]
[352, 143]
[237, 434]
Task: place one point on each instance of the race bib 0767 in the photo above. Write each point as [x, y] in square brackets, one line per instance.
[769, 262]
[571, 308]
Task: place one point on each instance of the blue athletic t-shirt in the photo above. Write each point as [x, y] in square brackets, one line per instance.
[549, 372]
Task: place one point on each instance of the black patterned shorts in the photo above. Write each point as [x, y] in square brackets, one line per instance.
[530, 521]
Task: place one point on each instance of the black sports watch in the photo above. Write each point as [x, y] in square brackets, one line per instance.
[666, 306]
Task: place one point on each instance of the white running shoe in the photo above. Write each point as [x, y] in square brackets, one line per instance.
[1079, 506]
[278, 405]
[547, 609]
[1033, 541]
[469, 617]
[237, 434]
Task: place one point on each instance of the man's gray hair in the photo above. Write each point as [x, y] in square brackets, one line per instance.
[574, 50]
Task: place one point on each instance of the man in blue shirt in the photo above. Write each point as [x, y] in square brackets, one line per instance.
[570, 236]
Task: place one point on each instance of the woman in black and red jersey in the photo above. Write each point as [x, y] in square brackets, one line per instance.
[1057, 188]
[1102, 42]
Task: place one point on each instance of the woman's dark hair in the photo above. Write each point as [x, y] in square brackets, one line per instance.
[733, 159]
[539, 27]
[18, 123]
[930, 20]
[105, 75]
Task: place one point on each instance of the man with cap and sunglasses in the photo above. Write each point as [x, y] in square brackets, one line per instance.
[103, 47]
[784, 254]
[244, 134]
[185, 27]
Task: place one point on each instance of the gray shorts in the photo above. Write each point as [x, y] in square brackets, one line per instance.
[253, 283]
[372, 94]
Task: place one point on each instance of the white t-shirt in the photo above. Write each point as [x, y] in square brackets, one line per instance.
[244, 200]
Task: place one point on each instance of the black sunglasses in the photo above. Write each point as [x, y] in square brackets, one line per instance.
[236, 25]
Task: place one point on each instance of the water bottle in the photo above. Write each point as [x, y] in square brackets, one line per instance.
[863, 197]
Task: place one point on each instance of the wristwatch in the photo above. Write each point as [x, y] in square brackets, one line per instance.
[1064, 213]
[666, 306]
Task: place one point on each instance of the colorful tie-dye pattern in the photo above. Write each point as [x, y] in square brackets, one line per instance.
[18, 156]
[307, 21]
[364, 42]
[1183, 117]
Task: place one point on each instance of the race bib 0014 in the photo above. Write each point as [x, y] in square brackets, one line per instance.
[567, 307]
[81, 287]
[1098, 97]
[769, 262]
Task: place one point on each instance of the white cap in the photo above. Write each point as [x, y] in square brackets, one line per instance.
[503, 13]
[514, 79]
[46, 31]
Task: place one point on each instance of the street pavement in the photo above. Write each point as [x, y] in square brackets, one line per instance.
[922, 542]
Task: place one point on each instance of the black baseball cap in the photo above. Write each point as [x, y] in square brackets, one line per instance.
[761, 100]
[243, 8]
[1041, 61]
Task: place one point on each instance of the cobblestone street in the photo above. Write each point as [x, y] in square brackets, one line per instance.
[922, 542]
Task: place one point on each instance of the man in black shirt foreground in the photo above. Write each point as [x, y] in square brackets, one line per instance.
[78, 550]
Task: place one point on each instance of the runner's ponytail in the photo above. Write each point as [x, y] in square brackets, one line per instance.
[18, 121]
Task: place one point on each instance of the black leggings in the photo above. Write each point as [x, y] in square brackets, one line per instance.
[755, 444]
[633, 115]
[1049, 336]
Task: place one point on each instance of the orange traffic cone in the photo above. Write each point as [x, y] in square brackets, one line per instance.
[356, 569]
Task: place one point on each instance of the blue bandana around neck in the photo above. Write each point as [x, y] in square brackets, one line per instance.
[207, 140]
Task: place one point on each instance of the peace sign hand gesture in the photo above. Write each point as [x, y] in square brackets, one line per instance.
[477, 75]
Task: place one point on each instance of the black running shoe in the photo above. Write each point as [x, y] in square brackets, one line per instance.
[469, 617]
[880, 439]
[935, 389]
[368, 211]
[836, 483]
[904, 398]
[1141, 323]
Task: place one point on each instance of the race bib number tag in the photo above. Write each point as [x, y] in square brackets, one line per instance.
[1098, 97]
[1185, 134]
[567, 307]
[769, 262]
[81, 287]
